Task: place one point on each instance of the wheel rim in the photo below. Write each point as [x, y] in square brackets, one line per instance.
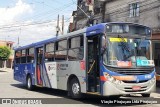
[29, 83]
[75, 88]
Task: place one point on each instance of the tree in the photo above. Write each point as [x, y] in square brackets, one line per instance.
[4, 53]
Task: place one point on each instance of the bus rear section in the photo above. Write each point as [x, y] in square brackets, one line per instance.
[24, 65]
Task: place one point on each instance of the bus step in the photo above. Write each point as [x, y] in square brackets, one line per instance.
[93, 93]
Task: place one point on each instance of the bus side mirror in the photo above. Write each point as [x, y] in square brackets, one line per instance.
[104, 44]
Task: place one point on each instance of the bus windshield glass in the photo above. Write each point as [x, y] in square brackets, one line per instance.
[127, 52]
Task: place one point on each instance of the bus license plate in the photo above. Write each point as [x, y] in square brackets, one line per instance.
[136, 87]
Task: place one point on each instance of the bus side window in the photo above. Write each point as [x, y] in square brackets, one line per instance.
[17, 57]
[30, 55]
[23, 58]
[49, 52]
[61, 50]
[76, 49]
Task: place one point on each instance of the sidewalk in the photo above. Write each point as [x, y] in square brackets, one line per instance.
[6, 70]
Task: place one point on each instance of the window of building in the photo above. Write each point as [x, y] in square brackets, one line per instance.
[76, 49]
[49, 53]
[134, 9]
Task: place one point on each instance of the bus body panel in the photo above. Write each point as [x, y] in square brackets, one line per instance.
[51, 69]
[126, 88]
[22, 70]
[59, 72]
[114, 88]
[17, 73]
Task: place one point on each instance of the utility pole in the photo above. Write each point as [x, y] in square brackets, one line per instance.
[57, 27]
[18, 41]
[18, 37]
[62, 24]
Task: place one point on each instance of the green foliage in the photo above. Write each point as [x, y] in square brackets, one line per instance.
[4, 53]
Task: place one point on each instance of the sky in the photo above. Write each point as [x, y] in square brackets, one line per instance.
[32, 20]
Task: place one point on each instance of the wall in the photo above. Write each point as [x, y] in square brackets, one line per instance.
[118, 11]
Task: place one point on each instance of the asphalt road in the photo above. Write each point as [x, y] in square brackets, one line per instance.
[10, 88]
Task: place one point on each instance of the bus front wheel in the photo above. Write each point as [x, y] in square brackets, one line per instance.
[75, 89]
[146, 95]
[29, 83]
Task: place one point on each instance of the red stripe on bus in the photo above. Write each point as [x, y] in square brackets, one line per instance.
[38, 75]
[125, 78]
[103, 78]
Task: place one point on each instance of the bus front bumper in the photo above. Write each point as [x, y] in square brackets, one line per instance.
[123, 88]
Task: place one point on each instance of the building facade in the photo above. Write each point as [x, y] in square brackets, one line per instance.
[85, 9]
[9, 62]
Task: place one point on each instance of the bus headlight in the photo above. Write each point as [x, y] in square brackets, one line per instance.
[152, 80]
[112, 79]
[117, 82]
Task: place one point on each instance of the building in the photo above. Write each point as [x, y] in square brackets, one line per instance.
[9, 62]
[85, 9]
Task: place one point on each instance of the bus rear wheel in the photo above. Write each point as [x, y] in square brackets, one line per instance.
[29, 83]
[75, 89]
[146, 95]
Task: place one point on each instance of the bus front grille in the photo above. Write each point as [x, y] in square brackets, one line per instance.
[135, 81]
[132, 71]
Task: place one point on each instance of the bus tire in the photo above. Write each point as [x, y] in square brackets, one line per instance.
[74, 88]
[29, 84]
[146, 95]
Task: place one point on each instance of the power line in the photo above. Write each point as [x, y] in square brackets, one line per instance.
[56, 10]
[10, 26]
[35, 23]
[52, 10]
[30, 24]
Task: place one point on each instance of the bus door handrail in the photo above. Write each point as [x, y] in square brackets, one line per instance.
[91, 67]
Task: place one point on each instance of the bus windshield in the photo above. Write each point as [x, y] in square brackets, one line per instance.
[127, 52]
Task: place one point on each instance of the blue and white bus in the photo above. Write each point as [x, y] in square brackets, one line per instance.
[108, 59]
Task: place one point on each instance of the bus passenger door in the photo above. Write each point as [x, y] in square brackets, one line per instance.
[39, 66]
[93, 64]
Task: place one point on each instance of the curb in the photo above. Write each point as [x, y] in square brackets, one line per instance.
[6, 70]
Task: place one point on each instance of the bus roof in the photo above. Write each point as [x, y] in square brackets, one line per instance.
[78, 32]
